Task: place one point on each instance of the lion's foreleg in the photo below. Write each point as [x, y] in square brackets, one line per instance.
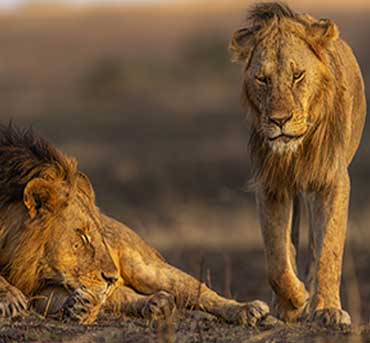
[188, 292]
[276, 221]
[328, 217]
[127, 301]
[147, 273]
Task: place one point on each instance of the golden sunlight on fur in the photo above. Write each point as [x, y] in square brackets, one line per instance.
[304, 97]
[62, 256]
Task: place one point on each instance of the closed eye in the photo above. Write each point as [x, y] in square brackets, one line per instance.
[298, 76]
[86, 240]
[84, 237]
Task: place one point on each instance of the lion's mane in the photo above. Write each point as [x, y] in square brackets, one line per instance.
[301, 169]
[25, 157]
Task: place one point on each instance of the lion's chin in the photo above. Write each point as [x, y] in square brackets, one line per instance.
[284, 144]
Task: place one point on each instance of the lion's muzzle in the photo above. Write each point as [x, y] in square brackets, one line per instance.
[280, 118]
[284, 131]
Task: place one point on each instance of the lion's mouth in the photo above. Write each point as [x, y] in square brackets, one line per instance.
[286, 138]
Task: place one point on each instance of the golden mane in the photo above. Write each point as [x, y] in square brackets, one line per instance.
[23, 158]
[301, 169]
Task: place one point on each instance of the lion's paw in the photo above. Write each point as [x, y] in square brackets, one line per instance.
[13, 302]
[331, 317]
[160, 305]
[284, 310]
[82, 306]
[250, 314]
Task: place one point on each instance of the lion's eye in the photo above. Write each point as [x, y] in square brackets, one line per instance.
[298, 76]
[85, 239]
[261, 80]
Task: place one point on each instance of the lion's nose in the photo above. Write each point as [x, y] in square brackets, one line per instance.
[280, 119]
[110, 279]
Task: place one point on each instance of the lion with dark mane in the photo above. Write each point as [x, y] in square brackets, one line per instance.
[304, 96]
[55, 241]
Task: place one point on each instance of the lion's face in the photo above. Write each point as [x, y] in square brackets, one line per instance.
[76, 255]
[281, 83]
[283, 77]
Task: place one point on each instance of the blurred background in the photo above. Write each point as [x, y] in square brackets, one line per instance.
[143, 94]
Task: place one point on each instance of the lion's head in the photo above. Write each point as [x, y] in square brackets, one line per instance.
[289, 90]
[52, 227]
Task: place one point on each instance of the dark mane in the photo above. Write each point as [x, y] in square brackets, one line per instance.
[264, 11]
[24, 156]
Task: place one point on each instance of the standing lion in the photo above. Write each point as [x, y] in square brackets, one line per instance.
[304, 96]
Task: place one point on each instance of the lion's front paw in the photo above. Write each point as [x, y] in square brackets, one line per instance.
[284, 310]
[13, 302]
[160, 305]
[82, 306]
[249, 314]
[330, 317]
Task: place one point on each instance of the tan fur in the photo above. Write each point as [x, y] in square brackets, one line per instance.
[54, 240]
[50, 229]
[304, 96]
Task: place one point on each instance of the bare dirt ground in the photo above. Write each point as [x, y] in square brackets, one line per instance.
[240, 274]
[236, 273]
[186, 328]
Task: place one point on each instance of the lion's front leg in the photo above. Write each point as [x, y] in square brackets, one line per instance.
[160, 305]
[290, 295]
[12, 301]
[190, 293]
[144, 270]
[328, 211]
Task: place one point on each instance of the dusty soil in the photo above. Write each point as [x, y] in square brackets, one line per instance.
[228, 274]
[186, 327]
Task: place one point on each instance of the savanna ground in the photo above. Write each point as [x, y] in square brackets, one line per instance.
[146, 99]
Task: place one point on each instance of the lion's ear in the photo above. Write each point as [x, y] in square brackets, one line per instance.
[241, 45]
[324, 32]
[86, 186]
[41, 197]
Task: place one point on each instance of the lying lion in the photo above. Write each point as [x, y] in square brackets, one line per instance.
[57, 245]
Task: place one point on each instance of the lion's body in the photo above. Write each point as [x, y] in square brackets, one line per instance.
[55, 241]
[304, 95]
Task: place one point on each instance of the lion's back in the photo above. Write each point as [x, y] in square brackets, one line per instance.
[347, 65]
